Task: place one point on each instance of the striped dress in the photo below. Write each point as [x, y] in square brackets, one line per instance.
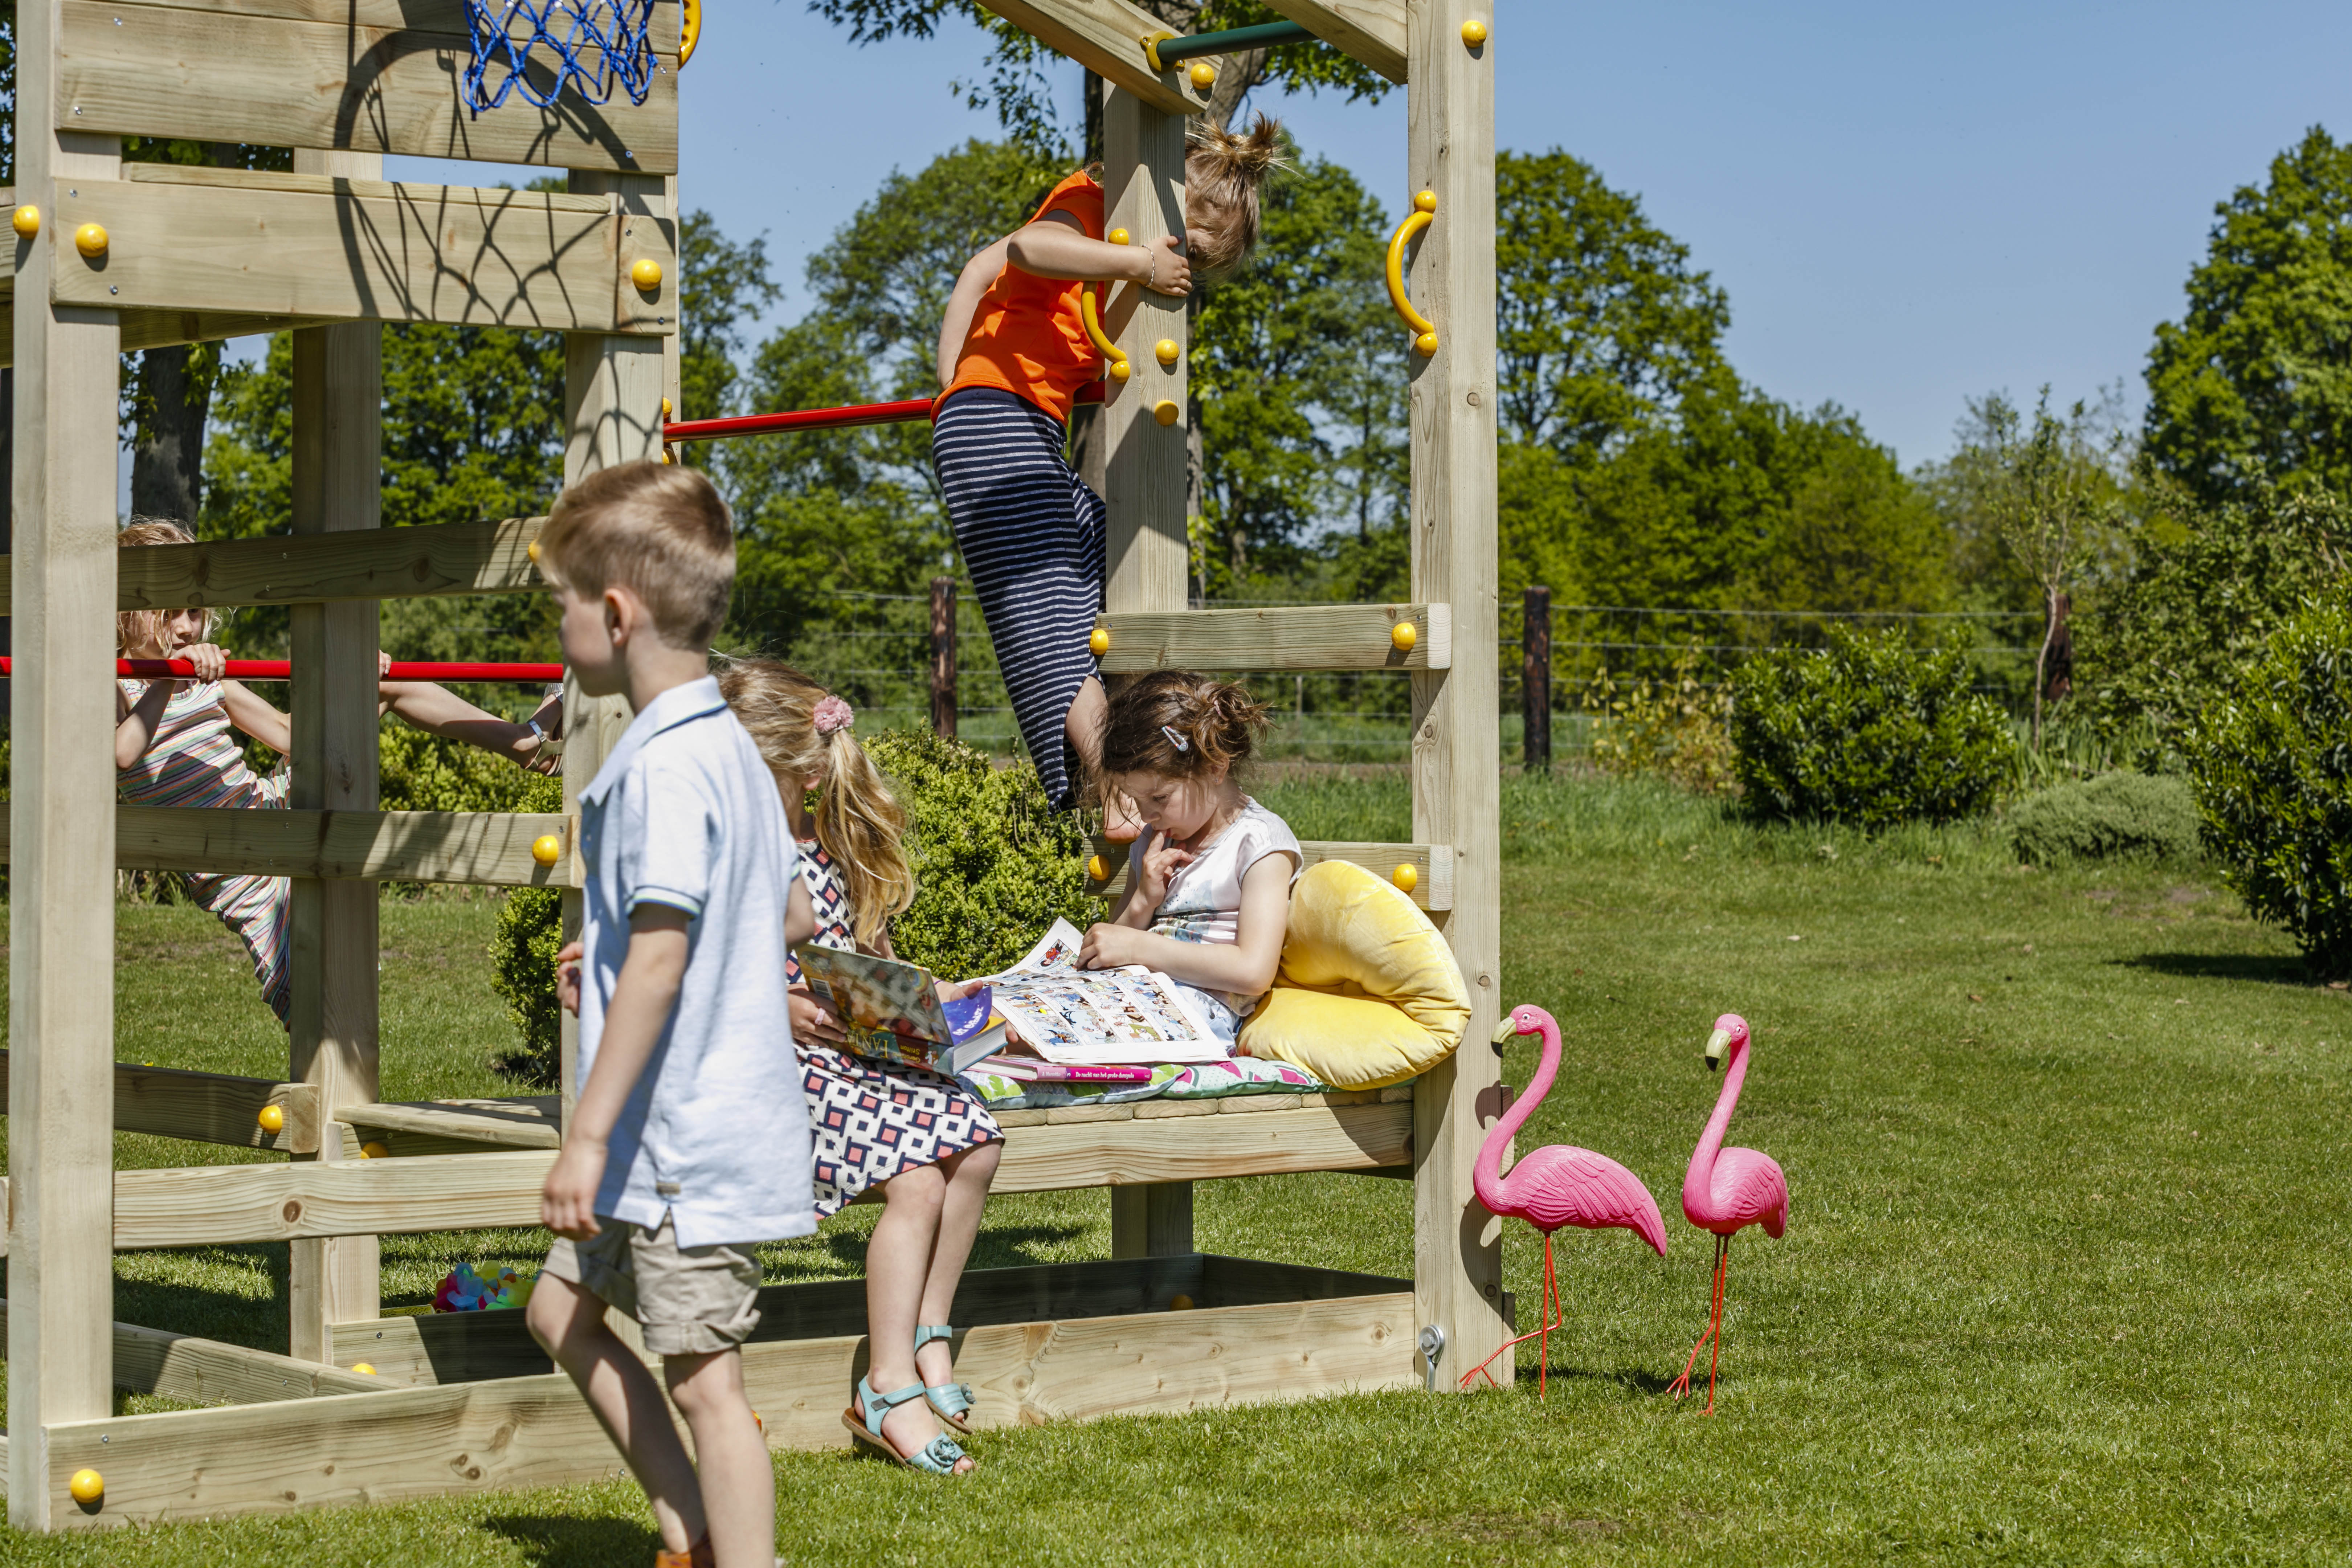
[1031, 536]
[195, 760]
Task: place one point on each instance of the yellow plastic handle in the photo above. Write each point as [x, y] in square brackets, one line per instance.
[690, 33]
[1424, 206]
[1091, 310]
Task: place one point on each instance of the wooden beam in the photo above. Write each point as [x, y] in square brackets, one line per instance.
[1295, 637]
[439, 253]
[426, 16]
[506, 1124]
[182, 1366]
[223, 74]
[477, 848]
[1372, 31]
[1107, 38]
[1456, 747]
[471, 1438]
[1433, 865]
[208, 1107]
[63, 467]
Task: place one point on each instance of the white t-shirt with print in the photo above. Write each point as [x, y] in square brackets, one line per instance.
[1204, 897]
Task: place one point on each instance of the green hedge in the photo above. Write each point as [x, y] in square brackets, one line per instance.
[2116, 815]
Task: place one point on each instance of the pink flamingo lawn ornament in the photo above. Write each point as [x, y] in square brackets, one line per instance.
[1553, 1186]
[1728, 1190]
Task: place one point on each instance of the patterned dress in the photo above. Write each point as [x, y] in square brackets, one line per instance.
[872, 1119]
[195, 760]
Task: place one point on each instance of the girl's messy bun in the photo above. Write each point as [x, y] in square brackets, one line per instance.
[1180, 725]
[1222, 172]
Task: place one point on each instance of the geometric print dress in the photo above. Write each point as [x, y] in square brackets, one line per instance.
[869, 1120]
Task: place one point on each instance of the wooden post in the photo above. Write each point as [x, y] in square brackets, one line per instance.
[943, 658]
[1144, 484]
[61, 811]
[1456, 752]
[331, 965]
[1535, 679]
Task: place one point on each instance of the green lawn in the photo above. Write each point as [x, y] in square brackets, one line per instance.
[2063, 1155]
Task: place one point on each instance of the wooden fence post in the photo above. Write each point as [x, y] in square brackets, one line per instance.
[1535, 679]
[943, 658]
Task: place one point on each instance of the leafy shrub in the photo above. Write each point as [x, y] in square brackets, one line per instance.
[2114, 816]
[2271, 761]
[417, 772]
[522, 962]
[1869, 730]
[1675, 728]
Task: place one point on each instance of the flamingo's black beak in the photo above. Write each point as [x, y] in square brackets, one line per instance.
[1716, 1044]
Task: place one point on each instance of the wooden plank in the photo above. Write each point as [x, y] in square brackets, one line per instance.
[1290, 636]
[1434, 867]
[67, 392]
[480, 848]
[325, 184]
[228, 75]
[1107, 38]
[332, 1028]
[425, 15]
[1372, 31]
[208, 1107]
[1456, 750]
[439, 253]
[1312, 1138]
[507, 1127]
[182, 1366]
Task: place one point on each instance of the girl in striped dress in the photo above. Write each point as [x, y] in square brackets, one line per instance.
[1013, 352]
[172, 747]
[924, 1139]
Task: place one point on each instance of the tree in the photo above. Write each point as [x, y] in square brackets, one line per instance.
[2056, 508]
[720, 284]
[2254, 378]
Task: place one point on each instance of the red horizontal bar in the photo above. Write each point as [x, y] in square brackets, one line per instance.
[283, 669]
[822, 418]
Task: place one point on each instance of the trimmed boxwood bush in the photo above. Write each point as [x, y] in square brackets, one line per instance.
[2114, 816]
[2271, 761]
[1869, 730]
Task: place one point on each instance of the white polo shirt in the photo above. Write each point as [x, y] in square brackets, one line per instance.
[684, 813]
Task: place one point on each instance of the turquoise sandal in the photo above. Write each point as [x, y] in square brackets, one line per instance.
[868, 1410]
[950, 1402]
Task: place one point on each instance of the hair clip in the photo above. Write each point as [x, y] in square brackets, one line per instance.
[1175, 739]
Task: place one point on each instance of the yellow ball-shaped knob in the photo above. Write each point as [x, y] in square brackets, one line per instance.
[1473, 33]
[1180, 1302]
[645, 274]
[372, 1150]
[1167, 351]
[90, 239]
[547, 849]
[667, 456]
[1425, 344]
[364, 1368]
[1166, 411]
[1426, 201]
[27, 222]
[1405, 878]
[1097, 869]
[665, 408]
[1099, 641]
[272, 1118]
[87, 1487]
[532, 551]
[1204, 75]
[1404, 634]
[1120, 370]
[1118, 237]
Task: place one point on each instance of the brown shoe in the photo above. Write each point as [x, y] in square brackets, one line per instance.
[697, 1556]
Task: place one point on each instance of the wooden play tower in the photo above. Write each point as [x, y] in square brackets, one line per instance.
[110, 256]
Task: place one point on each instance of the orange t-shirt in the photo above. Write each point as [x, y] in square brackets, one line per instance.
[1027, 337]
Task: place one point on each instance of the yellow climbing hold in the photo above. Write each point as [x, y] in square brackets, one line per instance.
[1473, 33]
[272, 1118]
[1404, 634]
[1425, 344]
[532, 551]
[1204, 75]
[665, 408]
[90, 239]
[547, 849]
[1166, 411]
[371, 1150]
[87, 1487]
[1426, 201]
[1405, 878]
[27, 222]
[364, 1368]
[1121, 369]
[1167, 351]
[1099, 641]
[1097, 869]
[1118, 237]
[645, 274]
[1180, 1302]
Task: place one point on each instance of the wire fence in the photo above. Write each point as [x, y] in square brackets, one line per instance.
[880, 650]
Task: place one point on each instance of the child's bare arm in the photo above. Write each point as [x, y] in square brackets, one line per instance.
[1056, 247]
[256, 718]
[955, 325]
[1245, 965]
[643, 994]
[800, 914]
[136, 723]
[441, 712]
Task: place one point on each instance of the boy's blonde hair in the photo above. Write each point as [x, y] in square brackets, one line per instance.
[144, 628]
[1221, 172]
[658, 529]
[859, 822]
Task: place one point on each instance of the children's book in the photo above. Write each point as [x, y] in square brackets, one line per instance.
[1093, 1017]
[891, 1011]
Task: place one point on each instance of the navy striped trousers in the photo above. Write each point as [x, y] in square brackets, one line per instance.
[1031, 536]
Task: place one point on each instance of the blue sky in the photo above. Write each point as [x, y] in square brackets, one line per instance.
[1907, 204]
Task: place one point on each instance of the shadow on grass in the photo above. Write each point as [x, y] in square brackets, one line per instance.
[556, 1542]
[1633, 1380]
[201, 1296]
[2263, 969]
[1012, 1247]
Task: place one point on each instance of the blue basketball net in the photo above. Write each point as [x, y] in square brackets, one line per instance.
[589, 46]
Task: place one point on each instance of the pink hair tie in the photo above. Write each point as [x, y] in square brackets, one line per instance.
[831, 714]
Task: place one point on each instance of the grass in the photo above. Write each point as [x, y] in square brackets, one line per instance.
[2064, 1151]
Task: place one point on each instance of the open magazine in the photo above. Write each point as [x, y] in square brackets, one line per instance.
[1068, 1015]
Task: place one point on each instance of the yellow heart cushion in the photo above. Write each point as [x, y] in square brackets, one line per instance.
[1368, 993]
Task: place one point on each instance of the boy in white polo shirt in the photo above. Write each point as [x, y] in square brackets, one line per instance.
[689, 1139]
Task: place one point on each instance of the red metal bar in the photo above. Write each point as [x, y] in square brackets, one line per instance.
[283, 669]
[821, 418]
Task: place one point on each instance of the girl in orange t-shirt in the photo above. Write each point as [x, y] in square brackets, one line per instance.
[1013, 352]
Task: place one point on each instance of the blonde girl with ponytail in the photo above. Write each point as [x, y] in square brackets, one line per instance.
[1013, 352]
[924, 1139]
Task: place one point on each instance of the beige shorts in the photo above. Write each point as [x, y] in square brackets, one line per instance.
[690, 1300]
